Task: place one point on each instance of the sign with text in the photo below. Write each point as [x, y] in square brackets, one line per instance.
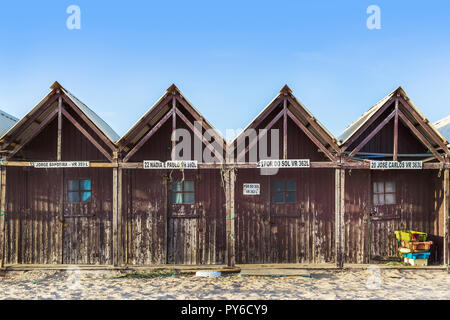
[251, 189]
[60, 164]
[277, 163]
[171, 164]
[386, 165]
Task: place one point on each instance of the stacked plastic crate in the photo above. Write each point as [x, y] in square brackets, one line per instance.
[414, 247]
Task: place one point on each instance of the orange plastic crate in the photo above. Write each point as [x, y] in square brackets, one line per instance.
[417, 245]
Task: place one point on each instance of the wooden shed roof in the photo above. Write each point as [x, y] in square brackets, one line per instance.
[301, 113]
[160, 109]
[359, 123]
[50, 97]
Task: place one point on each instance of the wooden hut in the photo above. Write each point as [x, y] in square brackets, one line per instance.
[396, 178]
[57, 185]
[172, 214]
[286, 215]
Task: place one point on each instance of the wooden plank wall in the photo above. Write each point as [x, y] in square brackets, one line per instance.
[419, 207]
[297, 233]
[154, 237]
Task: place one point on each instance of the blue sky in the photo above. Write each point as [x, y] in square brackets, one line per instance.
[229, 58]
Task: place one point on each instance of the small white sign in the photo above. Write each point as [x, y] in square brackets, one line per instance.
[60, 164]
[277, 163]
[251, 189]
[171, 164]
[386, 165]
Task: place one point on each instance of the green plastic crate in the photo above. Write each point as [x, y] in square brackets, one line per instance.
[410, 235]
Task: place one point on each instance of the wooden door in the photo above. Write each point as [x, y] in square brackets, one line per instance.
[185, 220]
[284, 218]
[385, 216]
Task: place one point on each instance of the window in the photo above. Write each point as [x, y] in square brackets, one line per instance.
[79, 191]
[183, 192]
[383, 193]
[285, 191]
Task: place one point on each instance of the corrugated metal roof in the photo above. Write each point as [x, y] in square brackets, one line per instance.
[287, 89]
[6, 122]
[443, 126]
[158, 116]
[354, 127]
[358, 123]
[99, 122]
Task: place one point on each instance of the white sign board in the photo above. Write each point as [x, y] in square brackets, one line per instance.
[176, 164]
[60, 164]
[251, 189]
[386, 165]
[277, 163]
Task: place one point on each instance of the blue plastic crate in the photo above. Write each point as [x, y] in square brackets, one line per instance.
[417, 255]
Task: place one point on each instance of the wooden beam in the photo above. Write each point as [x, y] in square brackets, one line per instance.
[174, 127]
[3, 216]
[34, 133]
[372, 134]
[148, 135]
[311, 136]
[31, 119]
[424, 125]
[285, 129]
[395, 151]
[366, 125]
[339, 215]
[198, 134]
[259, 136]
[144, 121]
[115, 212]
[259, 119]
[230, 181]
[89, 122]
[446, 204]
[86, 134]
[420, 136]
[314, 124]
[59, 143]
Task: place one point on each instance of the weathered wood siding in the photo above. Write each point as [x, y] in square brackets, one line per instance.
[301, 232]
[158, 232]
[42, 227]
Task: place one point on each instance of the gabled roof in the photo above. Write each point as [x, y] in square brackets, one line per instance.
[133, 137]
[322, 137]
[6, 122]
[443, 126]
[356, 125]
[91, 115]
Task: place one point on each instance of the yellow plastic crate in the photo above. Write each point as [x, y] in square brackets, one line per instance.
[410, 235]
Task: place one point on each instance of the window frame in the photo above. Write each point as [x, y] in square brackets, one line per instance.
[384, 193]
[183, 192]
[284, 191]
[79, 190]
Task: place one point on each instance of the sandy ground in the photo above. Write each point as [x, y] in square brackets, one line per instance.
[368, 284]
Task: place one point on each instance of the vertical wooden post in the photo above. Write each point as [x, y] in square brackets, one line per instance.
[285, 129]
[339, 214]
[230, 180]
[59, 148]
[115, 211]
[395, 132]
[446, 217]
[120, 228]
[174, 126]
[3, 216]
